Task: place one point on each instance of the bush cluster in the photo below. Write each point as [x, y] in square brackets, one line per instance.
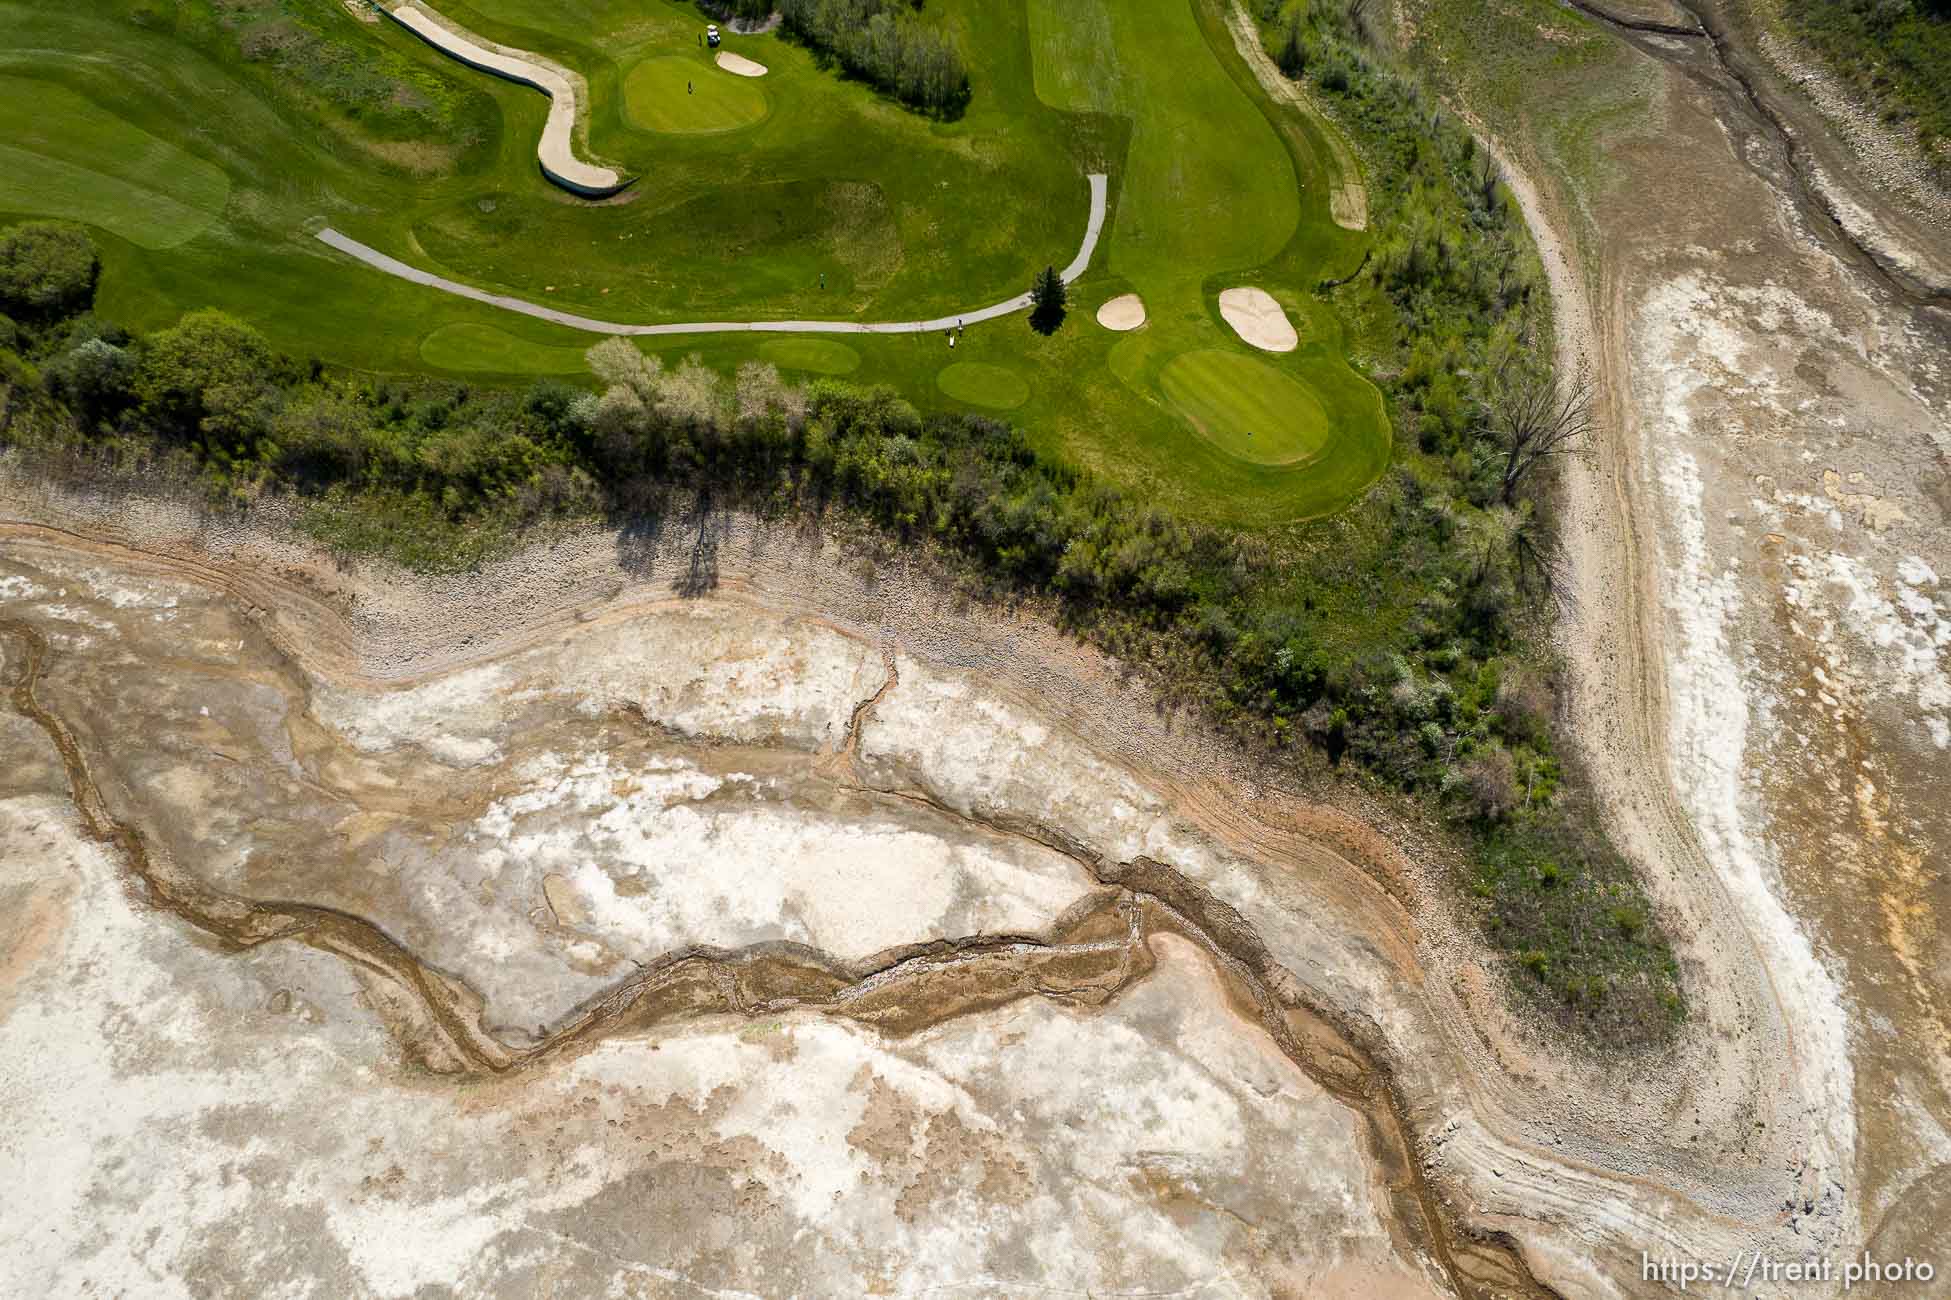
[1446, 694]
[47, 270]
[310, 57]
[895, 52]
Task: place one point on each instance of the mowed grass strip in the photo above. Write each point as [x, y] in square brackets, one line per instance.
[680, 95]
[482, 349]
[1209, 186]
[817, 356]
[980, 384]
[64, 156]
[1212, 190]
[1246, 407]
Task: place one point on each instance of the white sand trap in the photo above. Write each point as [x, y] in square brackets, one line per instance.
[739, 64]
[556, 149]
[1257, 318]
[1124, 312]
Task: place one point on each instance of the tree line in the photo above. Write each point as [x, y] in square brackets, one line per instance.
[892, 50]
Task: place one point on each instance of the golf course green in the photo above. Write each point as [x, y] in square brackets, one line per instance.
[469, 348]
[1246, 407]
[672, 93]
[981, 384]
[815, 356]
[801, 195]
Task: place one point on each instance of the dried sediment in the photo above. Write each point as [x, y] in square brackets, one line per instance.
[1088, 955]
[1755, 640]
[1027, 735]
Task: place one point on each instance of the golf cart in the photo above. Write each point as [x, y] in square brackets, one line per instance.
[711, 35]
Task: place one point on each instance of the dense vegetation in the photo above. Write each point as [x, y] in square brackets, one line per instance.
[894, 51]
[1397, 637]
[1445, 690]
[1896, 51]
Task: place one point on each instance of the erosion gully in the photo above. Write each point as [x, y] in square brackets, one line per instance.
[1722, 72]
[1096, 951]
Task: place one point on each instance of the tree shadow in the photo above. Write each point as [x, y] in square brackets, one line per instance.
[1047, 320]
[689, 534]
[700, 576]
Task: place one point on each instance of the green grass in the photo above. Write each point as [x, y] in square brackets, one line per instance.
[1222, 187]
[834, 203]
[483, 349]
[676, 93]
[815, 356]
[1246, 407]
[981, 384]
[1897, 53]
[63, 156]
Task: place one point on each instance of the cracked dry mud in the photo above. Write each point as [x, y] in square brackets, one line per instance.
[653, 946]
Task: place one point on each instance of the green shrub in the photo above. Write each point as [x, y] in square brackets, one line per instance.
[47, 269]
[1559, 897]
[1897, 53]
[895, 52]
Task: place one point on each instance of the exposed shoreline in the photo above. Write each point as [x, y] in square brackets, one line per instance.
[1518, 1132]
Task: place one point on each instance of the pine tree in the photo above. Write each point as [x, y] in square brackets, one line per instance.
[1048, 298]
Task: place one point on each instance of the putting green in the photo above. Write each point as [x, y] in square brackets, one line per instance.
[483, 349]
[63, 156]
[1246, 407]
[981, 384]
[821, 356]
[654, 97]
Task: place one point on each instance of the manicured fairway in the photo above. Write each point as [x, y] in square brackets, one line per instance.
[655, 96]
[818, 356]
[980, 384]
[62, 156]
[484, 349]
[1207, 186]
[1211, 189]
[1246, 407]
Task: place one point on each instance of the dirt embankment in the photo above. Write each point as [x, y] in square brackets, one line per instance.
[1757, 647]
[1002, 718]
[407, 675]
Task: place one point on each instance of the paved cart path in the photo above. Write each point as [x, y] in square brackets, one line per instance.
[393, 266]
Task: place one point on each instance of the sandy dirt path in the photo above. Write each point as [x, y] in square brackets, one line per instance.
[1347, 195]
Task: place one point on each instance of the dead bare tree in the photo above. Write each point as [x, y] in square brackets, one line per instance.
[1533, 416]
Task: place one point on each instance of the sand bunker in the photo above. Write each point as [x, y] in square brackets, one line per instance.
[739, 64]
[556, 149]
[1258, 319]
[1124, 312]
